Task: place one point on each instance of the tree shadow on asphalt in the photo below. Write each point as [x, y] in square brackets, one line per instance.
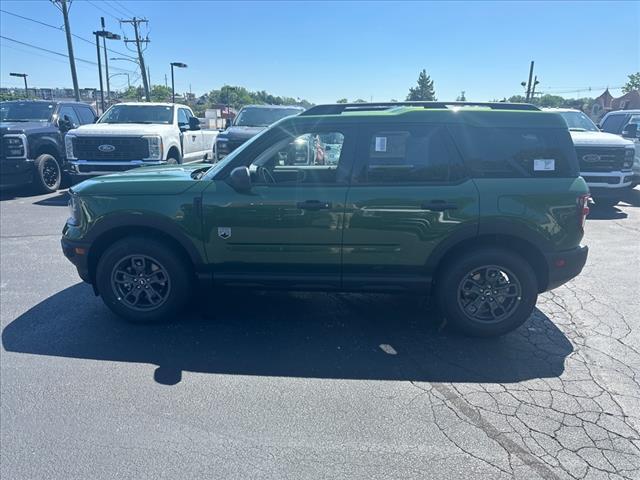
[373, 337]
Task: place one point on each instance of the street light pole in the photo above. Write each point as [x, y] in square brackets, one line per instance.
[24, 77]
[106, 35]
[173, 88]
[106, 62]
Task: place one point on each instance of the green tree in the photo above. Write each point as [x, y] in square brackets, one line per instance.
[424, 89]
[160, 93]
[133, 93]
[461, 97]
[633, 83]
[359, 100]
[515, 99]
[342, 100]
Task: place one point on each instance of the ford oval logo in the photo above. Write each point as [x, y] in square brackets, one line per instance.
[591, 157]
[106, 148]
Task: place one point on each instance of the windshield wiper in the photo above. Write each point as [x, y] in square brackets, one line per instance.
[576, 129]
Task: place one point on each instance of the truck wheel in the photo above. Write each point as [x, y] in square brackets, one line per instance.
[487, 292]
[142, 280]
[48, 174]
[172, 161]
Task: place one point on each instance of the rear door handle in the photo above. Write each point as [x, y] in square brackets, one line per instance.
[313, 205]
[438, 206]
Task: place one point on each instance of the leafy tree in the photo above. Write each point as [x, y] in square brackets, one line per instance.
[359, 101]
[394, 100]
[342, 100]
[424, 90]
[160, 93]
[238, 97]
[461, 97]
[633, 83]
[515, 99]
[133, 93]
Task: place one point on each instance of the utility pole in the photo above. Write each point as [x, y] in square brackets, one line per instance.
[106, 62]
[143, 70]
[528, 97]
[24, 77]
[533, 88]
[165, 80]
[72, 59]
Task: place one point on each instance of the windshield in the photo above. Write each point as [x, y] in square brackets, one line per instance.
[161, 114]
[578, 121]
[262, 117]
[26, 111]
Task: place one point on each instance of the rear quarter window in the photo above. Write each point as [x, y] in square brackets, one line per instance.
[516, 152]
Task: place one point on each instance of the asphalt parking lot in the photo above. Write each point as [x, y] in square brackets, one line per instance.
[314, 385]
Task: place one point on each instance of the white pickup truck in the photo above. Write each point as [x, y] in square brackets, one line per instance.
[130, 135]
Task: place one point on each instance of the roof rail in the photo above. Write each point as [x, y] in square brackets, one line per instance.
[338, 108]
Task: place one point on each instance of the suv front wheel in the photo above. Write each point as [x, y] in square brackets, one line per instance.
[487, 292]
[142, 280]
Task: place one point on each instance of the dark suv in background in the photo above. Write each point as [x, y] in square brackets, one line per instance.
[251, 120]
[32, 135]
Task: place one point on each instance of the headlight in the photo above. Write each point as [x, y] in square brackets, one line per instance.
[222, 145]
[629, 153]
[74, 211]
[68, 147]
[15, 145]
[155, 147]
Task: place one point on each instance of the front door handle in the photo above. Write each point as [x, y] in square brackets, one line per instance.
[438, 206]
[313, 205]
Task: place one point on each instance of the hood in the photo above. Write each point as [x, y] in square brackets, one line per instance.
[23, 127]
[122, 129]
[598, 139]
[240, 133]
[161, 180]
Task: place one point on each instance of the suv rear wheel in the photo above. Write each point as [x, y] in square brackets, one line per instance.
[142, 280]
[487, 292]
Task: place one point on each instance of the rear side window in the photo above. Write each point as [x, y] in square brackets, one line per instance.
[614, 124]
[409, 155]
[517, 152]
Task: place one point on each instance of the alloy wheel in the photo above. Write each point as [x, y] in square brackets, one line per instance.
[140, 282]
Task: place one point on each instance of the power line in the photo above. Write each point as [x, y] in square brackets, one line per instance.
[124, 7]
[102, 9]
[115, 8]
[62, 30]
[53, 52]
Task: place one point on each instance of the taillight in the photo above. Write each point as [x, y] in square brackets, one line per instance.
[583, 208]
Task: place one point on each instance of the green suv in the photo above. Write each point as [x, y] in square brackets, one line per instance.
[479, 205]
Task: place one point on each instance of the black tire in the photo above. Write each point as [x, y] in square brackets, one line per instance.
[509, 305]
[606, 202]
[118, 284]
[173, 161]
[47, 174]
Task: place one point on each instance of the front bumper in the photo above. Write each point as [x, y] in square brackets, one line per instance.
[607, 180]
[15, 172]
[78, 254]
[92, 167]
[565, 265]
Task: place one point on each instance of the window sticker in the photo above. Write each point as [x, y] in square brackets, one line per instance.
[544, 165]
[381, 144]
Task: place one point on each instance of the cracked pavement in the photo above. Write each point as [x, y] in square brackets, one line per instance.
[314, 385]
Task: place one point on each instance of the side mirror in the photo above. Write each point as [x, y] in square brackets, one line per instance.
[65, 123]
[194, 123]
[599, 126]
[240, 179]
[630, 131]
[227, 123]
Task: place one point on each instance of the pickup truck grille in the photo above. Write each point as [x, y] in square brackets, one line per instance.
[594, 159]
[125, 148]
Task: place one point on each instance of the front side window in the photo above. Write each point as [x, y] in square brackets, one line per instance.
[69, 112]
[159, 114]
[409, 155]
[308, 158]
[183, 117]
[85, 114]
[498, 152]
[614, 124]
[26, 111]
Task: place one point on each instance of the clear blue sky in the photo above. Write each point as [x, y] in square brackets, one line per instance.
[326, 51]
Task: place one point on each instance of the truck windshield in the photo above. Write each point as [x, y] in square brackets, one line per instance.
[26, 111]
[578, 122]
[138, 114]
[262, 117]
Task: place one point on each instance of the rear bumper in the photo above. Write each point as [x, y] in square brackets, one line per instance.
[78, 254]
[565, 265]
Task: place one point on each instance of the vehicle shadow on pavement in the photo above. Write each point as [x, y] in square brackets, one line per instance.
[346, 336]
